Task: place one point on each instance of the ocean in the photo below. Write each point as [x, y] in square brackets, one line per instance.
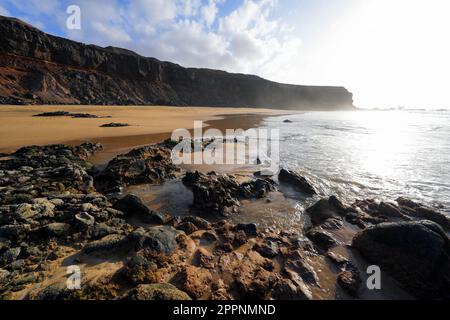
[371, 154]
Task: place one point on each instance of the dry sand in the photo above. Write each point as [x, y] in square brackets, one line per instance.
[19, 128]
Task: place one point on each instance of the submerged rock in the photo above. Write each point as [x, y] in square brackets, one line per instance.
[414, 253]
[297, 181]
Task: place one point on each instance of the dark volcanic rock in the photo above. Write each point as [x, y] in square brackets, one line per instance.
[151, 164]
[350, 281]
[159, 291]
[415, 253]
[297, 181]
[220, 194]
[162, 239]
[114, 125]
[131, 205]
[54, 70]
[325, 209]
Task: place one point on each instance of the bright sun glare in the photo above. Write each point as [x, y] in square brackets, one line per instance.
[389, 53]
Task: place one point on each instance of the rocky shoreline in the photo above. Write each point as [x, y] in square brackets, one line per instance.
[57, 209]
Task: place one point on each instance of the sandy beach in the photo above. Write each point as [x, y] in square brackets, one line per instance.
[148, 124]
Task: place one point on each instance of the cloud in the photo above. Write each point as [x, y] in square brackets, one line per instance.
[193, 33]
[209, 13]
[3, 11]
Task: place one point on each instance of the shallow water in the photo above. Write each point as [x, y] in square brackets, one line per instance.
[371, 154]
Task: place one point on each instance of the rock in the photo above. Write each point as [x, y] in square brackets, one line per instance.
[256, 189]
[200, 223]
[162, 239]
[53, 114]
[56, 229]
[194, 281]
[151, 164]
[350, 281]
[220, 194]
[9, 256]
[114, 125]
[250, 229]
[159, 291]
[269, 250]
[132, 205]
[321, 238]
[14, 232]
[421, 212]
[338, 259]
[297, 181]
[25, 212]
[3, 276]
[302, 291]
[85, 219]
[286, 290]
[325, 209]
[389, 210]
[414, 253]
[109, 243]
[204, 259]
[187, 227]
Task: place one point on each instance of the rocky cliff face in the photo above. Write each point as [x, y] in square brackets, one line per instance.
[39, 68]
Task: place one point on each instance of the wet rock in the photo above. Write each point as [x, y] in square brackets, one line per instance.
[194, 281]
[269, 250]
[325, 209]
[297, 181]
[285, 289]
[414, 253]
[256, 189]
[390, 210]
[132, 205]
[151, 164]
[350, 281]
[302, 289]
[321, 238]
[220, 194]
[422, 212]
[338, 259]
[159, 291]
[250, 229]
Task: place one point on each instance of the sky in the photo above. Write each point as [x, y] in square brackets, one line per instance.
[388, 53]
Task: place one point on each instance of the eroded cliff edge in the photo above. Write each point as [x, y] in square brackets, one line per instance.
[39, 68]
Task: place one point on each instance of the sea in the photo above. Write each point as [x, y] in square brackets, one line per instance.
[371, 154]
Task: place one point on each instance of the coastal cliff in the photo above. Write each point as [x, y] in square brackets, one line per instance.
[38, 68]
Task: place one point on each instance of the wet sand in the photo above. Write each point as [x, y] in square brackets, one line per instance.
[151, 124]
